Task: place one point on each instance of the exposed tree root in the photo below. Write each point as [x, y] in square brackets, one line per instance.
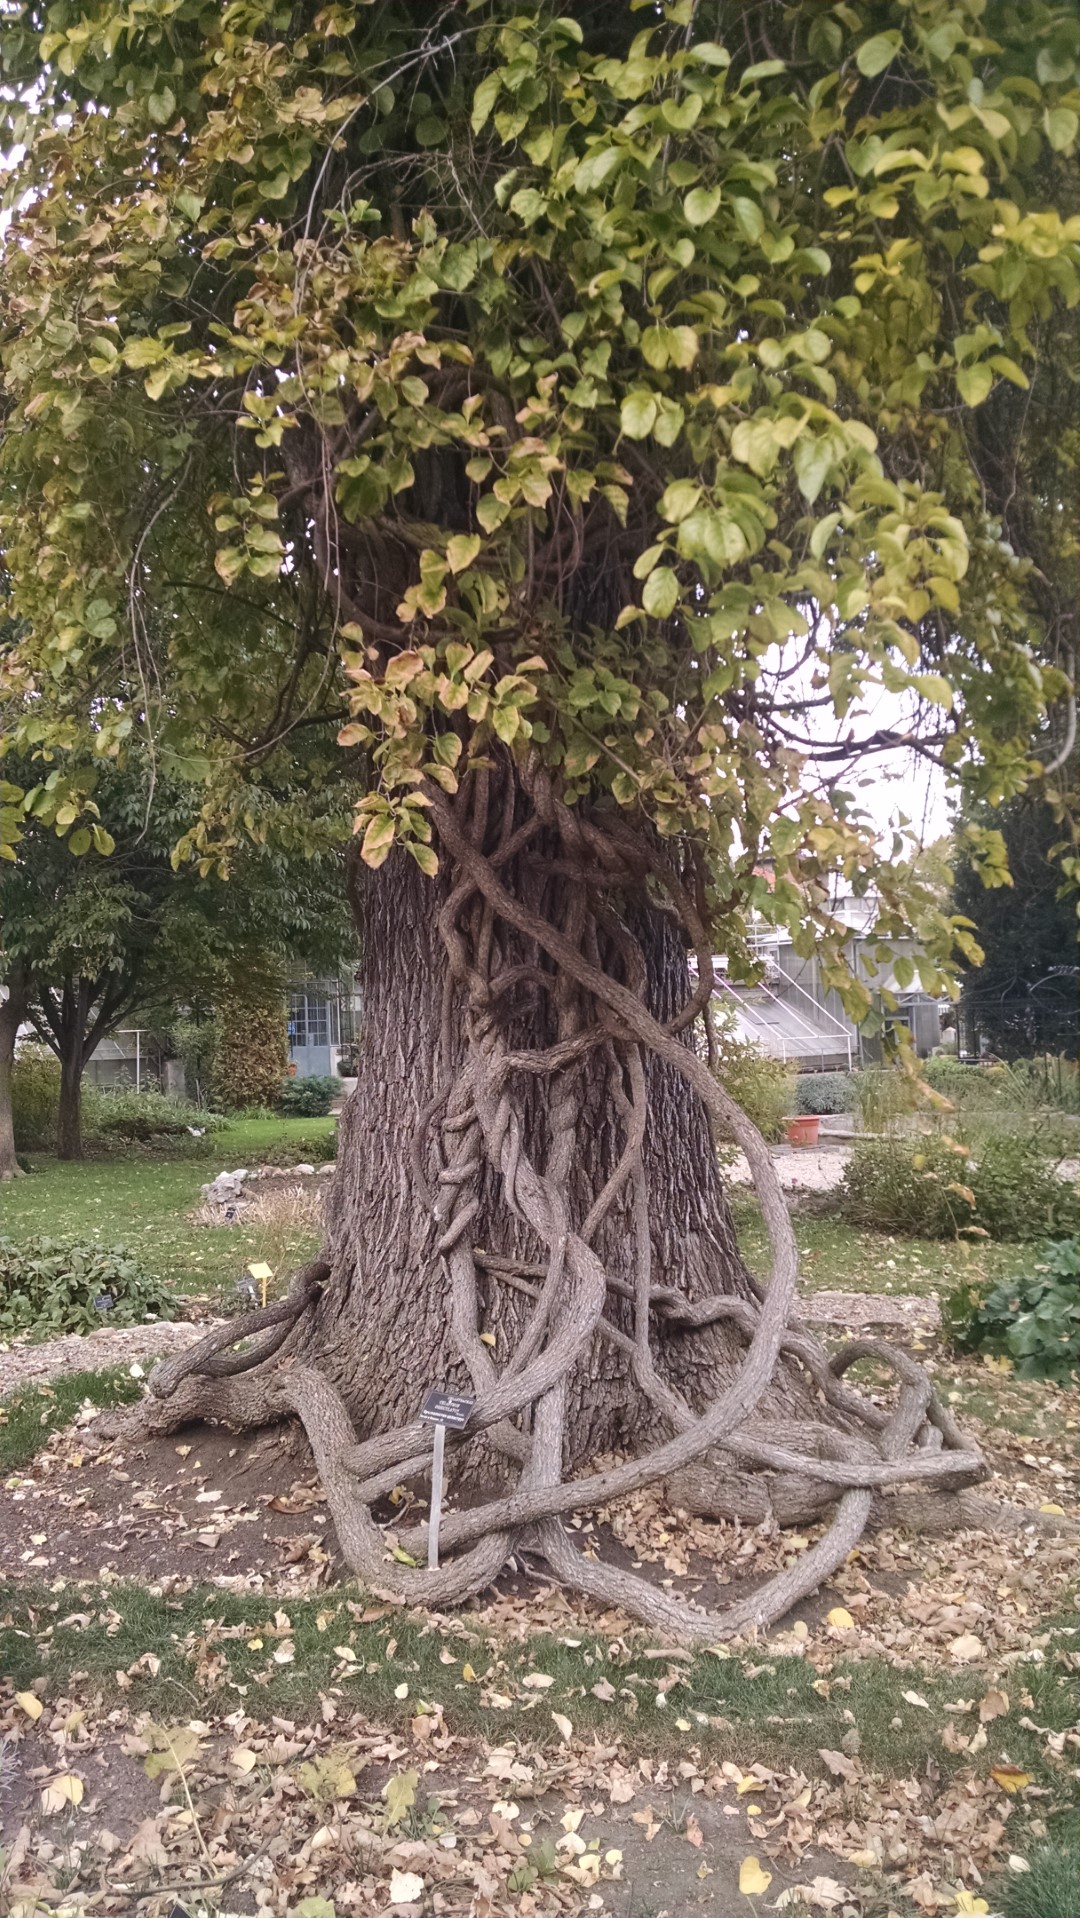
[850, 1458]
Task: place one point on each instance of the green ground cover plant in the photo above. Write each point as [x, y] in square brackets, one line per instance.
[1034, 1318]
[52, 1286]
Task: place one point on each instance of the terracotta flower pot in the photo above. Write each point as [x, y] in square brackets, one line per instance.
[804, 1130]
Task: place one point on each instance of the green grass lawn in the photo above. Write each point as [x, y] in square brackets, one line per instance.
[143, 1203]
[839, 1257]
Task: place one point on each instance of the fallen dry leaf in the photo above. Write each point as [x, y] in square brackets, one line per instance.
[994, 1705]
[406, 1887]
[1010, 1778]
[66, 1789]
[563, 1726]
[753, 1880]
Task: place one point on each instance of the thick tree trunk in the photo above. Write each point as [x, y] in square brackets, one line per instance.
[526, 1165]
[381, 1330]
[12, 1013]
[69, 1112]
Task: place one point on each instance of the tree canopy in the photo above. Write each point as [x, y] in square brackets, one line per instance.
[588, 420]
[621, 386]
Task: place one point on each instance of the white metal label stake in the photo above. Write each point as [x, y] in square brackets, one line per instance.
[436, 1499]
[442, 1409]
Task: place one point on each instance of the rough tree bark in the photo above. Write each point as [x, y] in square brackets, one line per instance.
[12, 1014]
[527, 1205]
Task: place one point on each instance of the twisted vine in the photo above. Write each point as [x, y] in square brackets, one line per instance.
[587, 962]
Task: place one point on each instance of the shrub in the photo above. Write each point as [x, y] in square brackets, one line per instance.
[824, 1092]
[308, 1098]
[35, 1095]
[1003, 1185]
[762, 1086]
[144, 1116]
[1034, 1319]
[49, 1286]
[1032, 1086]
[253, 1047]
[304, 1148]
[884, 1095]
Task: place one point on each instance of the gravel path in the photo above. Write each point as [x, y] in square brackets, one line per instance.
[799, 1168]
[92, 1351]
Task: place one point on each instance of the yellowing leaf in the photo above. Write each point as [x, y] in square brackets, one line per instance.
[31, 1705]
[261, 1271]
[841, 1618]
[400, 1795]
[1010, 1778]
[753, 1880]
[468, 1674]
[461, 551]
[966, 1901]
[1057, 1511]
[66, 1789]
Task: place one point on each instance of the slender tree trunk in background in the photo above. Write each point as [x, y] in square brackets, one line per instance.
[69, 1113]
[381, 1330]
[12, 1014]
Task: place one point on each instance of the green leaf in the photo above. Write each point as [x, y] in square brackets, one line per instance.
[935, 688]
[973, 383]
[430, 131]
[750, 218]
[874, 55]
[428, 861]
[461, 551]
[813, 462]
[79, 842]
[161, 106]
[678, 499]
[1062, 126]
[637, 415]
[661, 595]
[700, 205]
[754, 443]
[484, 99]
[823, 533]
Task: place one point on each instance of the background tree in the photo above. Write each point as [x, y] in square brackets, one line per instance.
[97, 928]
[253, 1047]
[1022, 998]
[580, 400]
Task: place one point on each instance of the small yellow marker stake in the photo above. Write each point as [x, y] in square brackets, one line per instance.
[264, 1273]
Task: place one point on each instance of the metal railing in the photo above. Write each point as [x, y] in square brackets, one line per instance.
[828, 1026]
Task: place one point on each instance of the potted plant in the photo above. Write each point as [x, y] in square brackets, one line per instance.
[803, 1129]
